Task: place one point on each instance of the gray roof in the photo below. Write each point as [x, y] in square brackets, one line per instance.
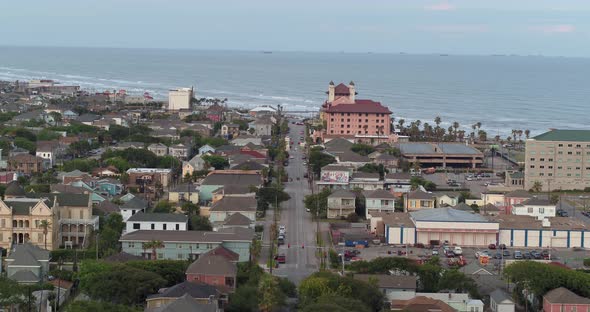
[519, 193]
[342, 194]
[398, 176]
[184, 187]
[227, 234]
[338, 144]
[87, 117]
[420, 194]
[365, 175]
[446, 215]
[22, 206]
[27, 255]
[25, 276]
[564, 295]
[233, 178]
[238, 203]
[248, 165]
[437, 148]
[237, 219]
[197, 290]
[233, 189]
[158, 217]
[538, 201]
[14, 189]
[500, 296]
[463, 207]
[185, 303]
[211, 264]
[65, 199]
[349, 156]
[336, 167]
[380, 193]
[135, 203]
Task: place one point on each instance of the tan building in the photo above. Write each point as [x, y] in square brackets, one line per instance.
[22, 219]
[340, 204]
[558, 159]
[180, 99]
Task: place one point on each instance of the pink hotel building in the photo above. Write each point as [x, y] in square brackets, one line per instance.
[357, 120]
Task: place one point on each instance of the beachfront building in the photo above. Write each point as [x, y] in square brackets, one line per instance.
[429, 154]
[180, 99]
[345, 116]
[558, 159]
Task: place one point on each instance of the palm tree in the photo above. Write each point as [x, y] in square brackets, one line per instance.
[527, 133]
[456, 127]
[437, 120]
[154, 245]
[255, 249]
[401, 124]
[537, 187]
[44, 224]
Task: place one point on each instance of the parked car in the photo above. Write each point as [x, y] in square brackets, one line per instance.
[449, 253]
[435, 252]
[480, 253]
[536, 254]
[546, 255]
[492, 246]
[457, 250]
[281, 240]
[419, 245]
[502, 246]
[527, 255]
[518, 255]
[506, 253]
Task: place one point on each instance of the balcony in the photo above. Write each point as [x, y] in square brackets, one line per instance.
[92, 221]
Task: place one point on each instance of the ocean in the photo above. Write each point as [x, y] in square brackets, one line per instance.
[501, 92]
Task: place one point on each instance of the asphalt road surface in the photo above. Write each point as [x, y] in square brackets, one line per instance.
[300, 240]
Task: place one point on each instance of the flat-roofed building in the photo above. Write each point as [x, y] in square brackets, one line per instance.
[441, 154]
[558, 159]
[180, 99]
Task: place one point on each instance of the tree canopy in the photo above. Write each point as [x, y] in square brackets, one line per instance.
[318, 159]
[318, 203]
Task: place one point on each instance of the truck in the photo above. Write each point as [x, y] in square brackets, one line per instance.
[354, 243]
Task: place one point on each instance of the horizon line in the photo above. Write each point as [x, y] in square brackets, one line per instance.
[297, 51]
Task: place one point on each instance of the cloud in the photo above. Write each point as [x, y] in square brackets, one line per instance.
[553, 29]
[455, 29]
[443, 6]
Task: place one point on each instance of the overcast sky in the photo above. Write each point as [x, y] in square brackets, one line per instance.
[548, 27]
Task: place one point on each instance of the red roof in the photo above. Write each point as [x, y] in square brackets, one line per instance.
[342, 89]
[254, 154]
[360, 106]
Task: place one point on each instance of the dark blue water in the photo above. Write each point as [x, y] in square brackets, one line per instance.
[502, 92]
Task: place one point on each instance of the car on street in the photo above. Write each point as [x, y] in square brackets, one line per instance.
[435, 252]
[498, 255]
[527, 255]
[506, 253]
[502, 246]
[457, 250]
[307, 209]
[281, 258]
[282, 227]
[518, 255]
[536, 254]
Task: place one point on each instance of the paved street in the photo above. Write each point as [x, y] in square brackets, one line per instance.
[301, 230]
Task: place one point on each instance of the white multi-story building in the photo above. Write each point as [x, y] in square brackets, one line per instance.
[180, 98]
[156, 222]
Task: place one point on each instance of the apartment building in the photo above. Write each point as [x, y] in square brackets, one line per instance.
[558, 159]
[180, 98]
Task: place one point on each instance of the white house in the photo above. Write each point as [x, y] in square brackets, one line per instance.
[535, 207]
[366, 181]
[157, 222]
[394, 287]
[206, 149]
[500, 301]
[398, 182]
[132, 206]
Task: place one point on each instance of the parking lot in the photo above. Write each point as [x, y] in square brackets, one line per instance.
[570, 257]
[475, 185]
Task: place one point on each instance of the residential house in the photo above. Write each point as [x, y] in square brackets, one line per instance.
[220, 178]
[125, 145]
[107, 207]
[109, 186]
[214, 269]
[195, 164]
[185, 303]
[264, 110]
[206, 149]
[243, 140]
[494, 198]
[401, 287]
[21, 219]
[514, 198]
[564, 300]
[158, 148]
[149, 180]
[26, 164]
[133, 206]
[536, 207]
[72, 176]
[228, 205]
[200, 292]
[262, 126]
[27, 264]
[514, 179]
[421, 304]
[235, 220]
[419, 199]
[399, 182]
[156, 222]
[75, 218]
[109, 171]
[230, 130]
[17, 151]
[47, 151]
[340, 204]
[378, 201]
[215, 112]
[446, 199]
[388, 161]
[335, 176]
[184, 192]
[249, 165]
[500, 301]
[182, 245]
[366, 181]
[88, 118]
[490, 210]
[179, 151]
